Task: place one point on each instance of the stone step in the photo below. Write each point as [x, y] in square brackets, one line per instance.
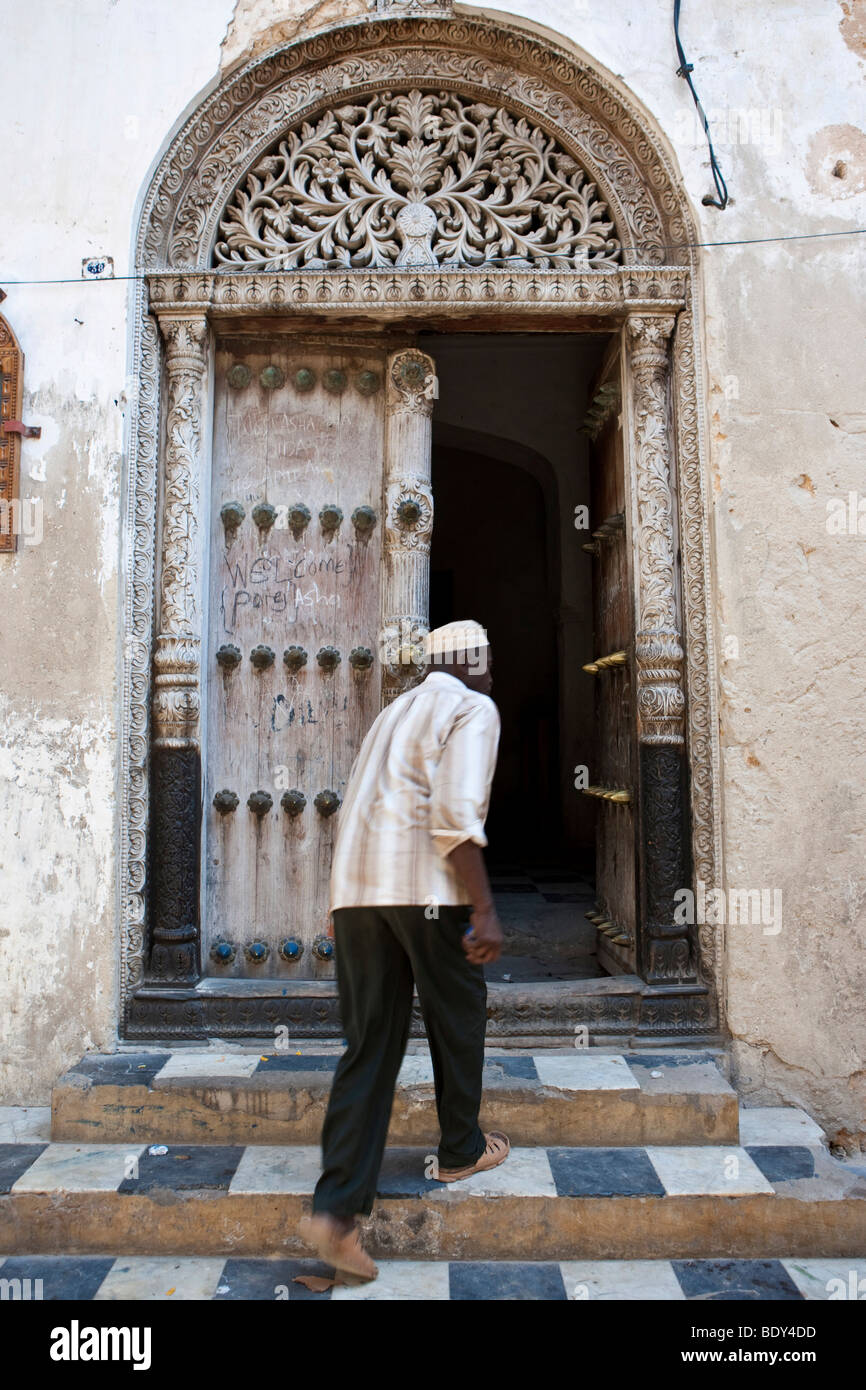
[769, 1199]
[569, 1098]
[178, 1279]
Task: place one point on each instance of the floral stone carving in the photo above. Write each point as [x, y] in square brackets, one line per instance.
[417, 179]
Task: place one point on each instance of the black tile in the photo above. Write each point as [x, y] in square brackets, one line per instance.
[186, 1168]
[738, 1281]
[505, 1279]
[666, 1059]
[74, 1277]
[269, 1281]
[403, 1173]
[122, 1068]
[781, 1162]
[604, 1173]
[15, 1159]
[522, 1067]
[313, 1062]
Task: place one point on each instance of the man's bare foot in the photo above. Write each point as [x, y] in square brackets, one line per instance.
[338, 1242]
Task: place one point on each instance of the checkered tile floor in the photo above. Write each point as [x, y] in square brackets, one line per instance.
[571, 1069]
[162, 1278]
[709, 1170]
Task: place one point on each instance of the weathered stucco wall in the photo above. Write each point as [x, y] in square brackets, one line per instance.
[93, 94]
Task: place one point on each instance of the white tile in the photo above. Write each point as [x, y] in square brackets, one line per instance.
[209, 1064]
[583, 1072]
[406, 1280]
[836, 1280]
[80, 1168]
[278, 1168]
[25, 1124]
[779, 1124]
[707, 1169]
[160, 1278]
[588, 1280]
[525, 1173]
[416, 1071]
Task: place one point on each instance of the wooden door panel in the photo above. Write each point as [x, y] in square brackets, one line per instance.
[294, 424]
[615, 714]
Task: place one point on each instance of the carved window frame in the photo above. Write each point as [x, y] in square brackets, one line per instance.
[11, 394]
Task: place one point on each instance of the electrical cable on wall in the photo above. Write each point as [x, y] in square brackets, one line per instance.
[685, 70]
[499, 260]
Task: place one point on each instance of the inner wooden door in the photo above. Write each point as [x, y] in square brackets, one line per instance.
[293, 670]
[614, 779]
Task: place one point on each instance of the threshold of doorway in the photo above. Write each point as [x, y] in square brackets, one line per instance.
[599, 1012]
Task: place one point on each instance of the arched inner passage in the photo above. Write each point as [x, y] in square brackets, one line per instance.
[509, 466]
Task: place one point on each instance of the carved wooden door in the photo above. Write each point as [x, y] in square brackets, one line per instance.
[295, 612]
[613, 778]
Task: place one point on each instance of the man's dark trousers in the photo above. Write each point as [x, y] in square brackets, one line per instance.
[380, 952]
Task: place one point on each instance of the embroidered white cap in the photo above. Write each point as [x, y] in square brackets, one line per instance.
[464, 635]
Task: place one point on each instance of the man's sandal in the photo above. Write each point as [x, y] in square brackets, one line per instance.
[496, 1152]
[342, 1249]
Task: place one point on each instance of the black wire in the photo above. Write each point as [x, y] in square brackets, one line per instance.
[685, 70]
[349, 270]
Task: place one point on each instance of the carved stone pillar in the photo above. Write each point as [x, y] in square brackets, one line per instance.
[411, 390]
[176, 747]
[668, 953]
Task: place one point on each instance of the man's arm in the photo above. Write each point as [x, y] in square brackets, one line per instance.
[460, 795]
[484, 943]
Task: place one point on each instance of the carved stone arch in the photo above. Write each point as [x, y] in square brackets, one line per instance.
[650, 294]
[487, 59]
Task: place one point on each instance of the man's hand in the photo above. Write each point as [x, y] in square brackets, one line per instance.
[483, 942]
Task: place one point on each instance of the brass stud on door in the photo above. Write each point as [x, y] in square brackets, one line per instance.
[334, 380]
[328, 658]
[305, 380]
[272, 377]
[257, 952]
[327, 802]
[228, 656]
[264, 515]
[323, 948]
[330, 517]
[262, 657]
[295, 658]
[360, 658]
[231, 515]
[239, 376]
[291, 950]
[260, 803]
[293, 802]
[368, 383]
[408, 512]
[226, 802]
[223, 952]
[363, 520]
[299, 519]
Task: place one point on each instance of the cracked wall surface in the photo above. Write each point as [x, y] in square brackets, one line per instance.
[94, 94]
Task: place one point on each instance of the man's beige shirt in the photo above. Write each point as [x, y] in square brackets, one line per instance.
[419, 787]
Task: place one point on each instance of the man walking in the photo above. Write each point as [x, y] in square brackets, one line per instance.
[411, 904]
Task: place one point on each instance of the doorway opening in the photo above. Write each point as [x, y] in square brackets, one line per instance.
[509, 467]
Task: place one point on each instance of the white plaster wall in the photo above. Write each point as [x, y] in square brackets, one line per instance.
[93, 91]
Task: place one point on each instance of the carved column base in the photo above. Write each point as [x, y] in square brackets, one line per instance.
[175, 862]
[669, 954]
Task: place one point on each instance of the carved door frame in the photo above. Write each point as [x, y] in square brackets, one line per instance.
[653, 304]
